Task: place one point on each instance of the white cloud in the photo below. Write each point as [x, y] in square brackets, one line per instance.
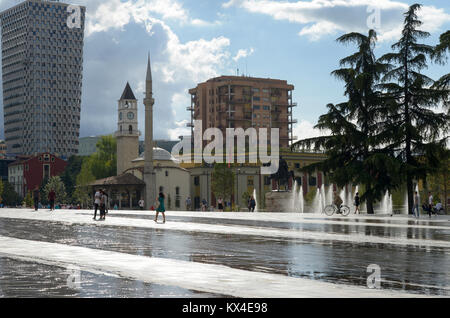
[305, 129]
[115, 14]
[324, 17]
[180, 130]
[243, 53]
[176, 65]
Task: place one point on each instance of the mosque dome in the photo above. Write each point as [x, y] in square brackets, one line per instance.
[160, 155]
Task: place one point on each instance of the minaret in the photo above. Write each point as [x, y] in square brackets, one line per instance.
[127, 134]
[149, 174]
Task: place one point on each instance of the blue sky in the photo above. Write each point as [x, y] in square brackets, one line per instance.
[193, 40]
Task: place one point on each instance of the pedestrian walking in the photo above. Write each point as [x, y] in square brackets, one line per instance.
[103, 200]
[204, 205]
[357, 202]
[141, 204]
[161, 208]
[430, 204]
[36, 198]
[416, 205]
[252, 204]
[106, 200]
[97, 197]
[188, 204]
[220, 205]
[51, 199]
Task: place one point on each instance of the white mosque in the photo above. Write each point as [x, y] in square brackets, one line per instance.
[143, 176]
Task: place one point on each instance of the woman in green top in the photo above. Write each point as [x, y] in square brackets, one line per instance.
[161, 208]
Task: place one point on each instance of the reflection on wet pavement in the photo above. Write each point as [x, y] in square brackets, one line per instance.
[412, 268]
[26, 279]
[377, 230]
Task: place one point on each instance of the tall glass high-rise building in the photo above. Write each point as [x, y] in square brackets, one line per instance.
[42, 64]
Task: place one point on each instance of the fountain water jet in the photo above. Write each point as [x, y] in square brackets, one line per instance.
[301, 200]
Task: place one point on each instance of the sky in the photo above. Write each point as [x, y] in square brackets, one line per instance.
[191, 41]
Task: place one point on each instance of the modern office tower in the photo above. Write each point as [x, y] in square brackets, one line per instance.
[42, 63]
[244, 102]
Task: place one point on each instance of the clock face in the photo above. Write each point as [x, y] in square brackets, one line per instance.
[130, 115]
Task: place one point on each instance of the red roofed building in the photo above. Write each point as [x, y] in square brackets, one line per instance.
[27, 173]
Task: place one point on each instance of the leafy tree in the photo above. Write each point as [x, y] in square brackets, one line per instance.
[101, 164]
[58, 186]
[104, 161]
[81, 193]
[29, 200]
[69, 176]
[10, 196]
[222, 181]
[414, 127]
[354, 151]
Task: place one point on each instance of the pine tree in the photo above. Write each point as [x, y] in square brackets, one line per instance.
[440, 55]
[354, 152]
[414, 128]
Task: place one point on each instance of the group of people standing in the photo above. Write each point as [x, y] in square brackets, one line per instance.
[100, 203]
[427, 206]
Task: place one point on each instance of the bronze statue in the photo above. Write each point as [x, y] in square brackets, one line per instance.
[282, 175]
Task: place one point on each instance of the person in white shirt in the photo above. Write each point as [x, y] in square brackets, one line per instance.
[430, 203]
[97, 198]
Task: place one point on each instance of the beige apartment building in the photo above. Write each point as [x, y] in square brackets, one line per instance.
[244, 102]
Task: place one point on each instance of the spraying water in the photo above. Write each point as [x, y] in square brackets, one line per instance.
[329, 196]
[301, 200]
[386, 203]
[343, 196]
[294, 202]
[317, 202]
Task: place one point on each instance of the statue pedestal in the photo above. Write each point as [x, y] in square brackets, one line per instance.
[278, 201]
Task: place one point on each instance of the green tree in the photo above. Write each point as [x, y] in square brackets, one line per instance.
[414, 128]
[69, 176]
[58, 186]
[354, 151]
[10, 196]
[222, 181]
[81, 193]
[440, 54]
[29, 200]
[104, 161]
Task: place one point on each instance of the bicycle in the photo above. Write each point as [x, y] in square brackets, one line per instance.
[332, 208]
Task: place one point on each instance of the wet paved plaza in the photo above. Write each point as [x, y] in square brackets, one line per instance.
[215, 254]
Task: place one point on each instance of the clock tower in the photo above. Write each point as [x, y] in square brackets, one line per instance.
[127, 134]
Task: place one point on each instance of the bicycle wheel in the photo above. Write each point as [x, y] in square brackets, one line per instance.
[329, 210]
[345, 210]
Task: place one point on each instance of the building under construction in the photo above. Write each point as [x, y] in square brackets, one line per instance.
[244, 102]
